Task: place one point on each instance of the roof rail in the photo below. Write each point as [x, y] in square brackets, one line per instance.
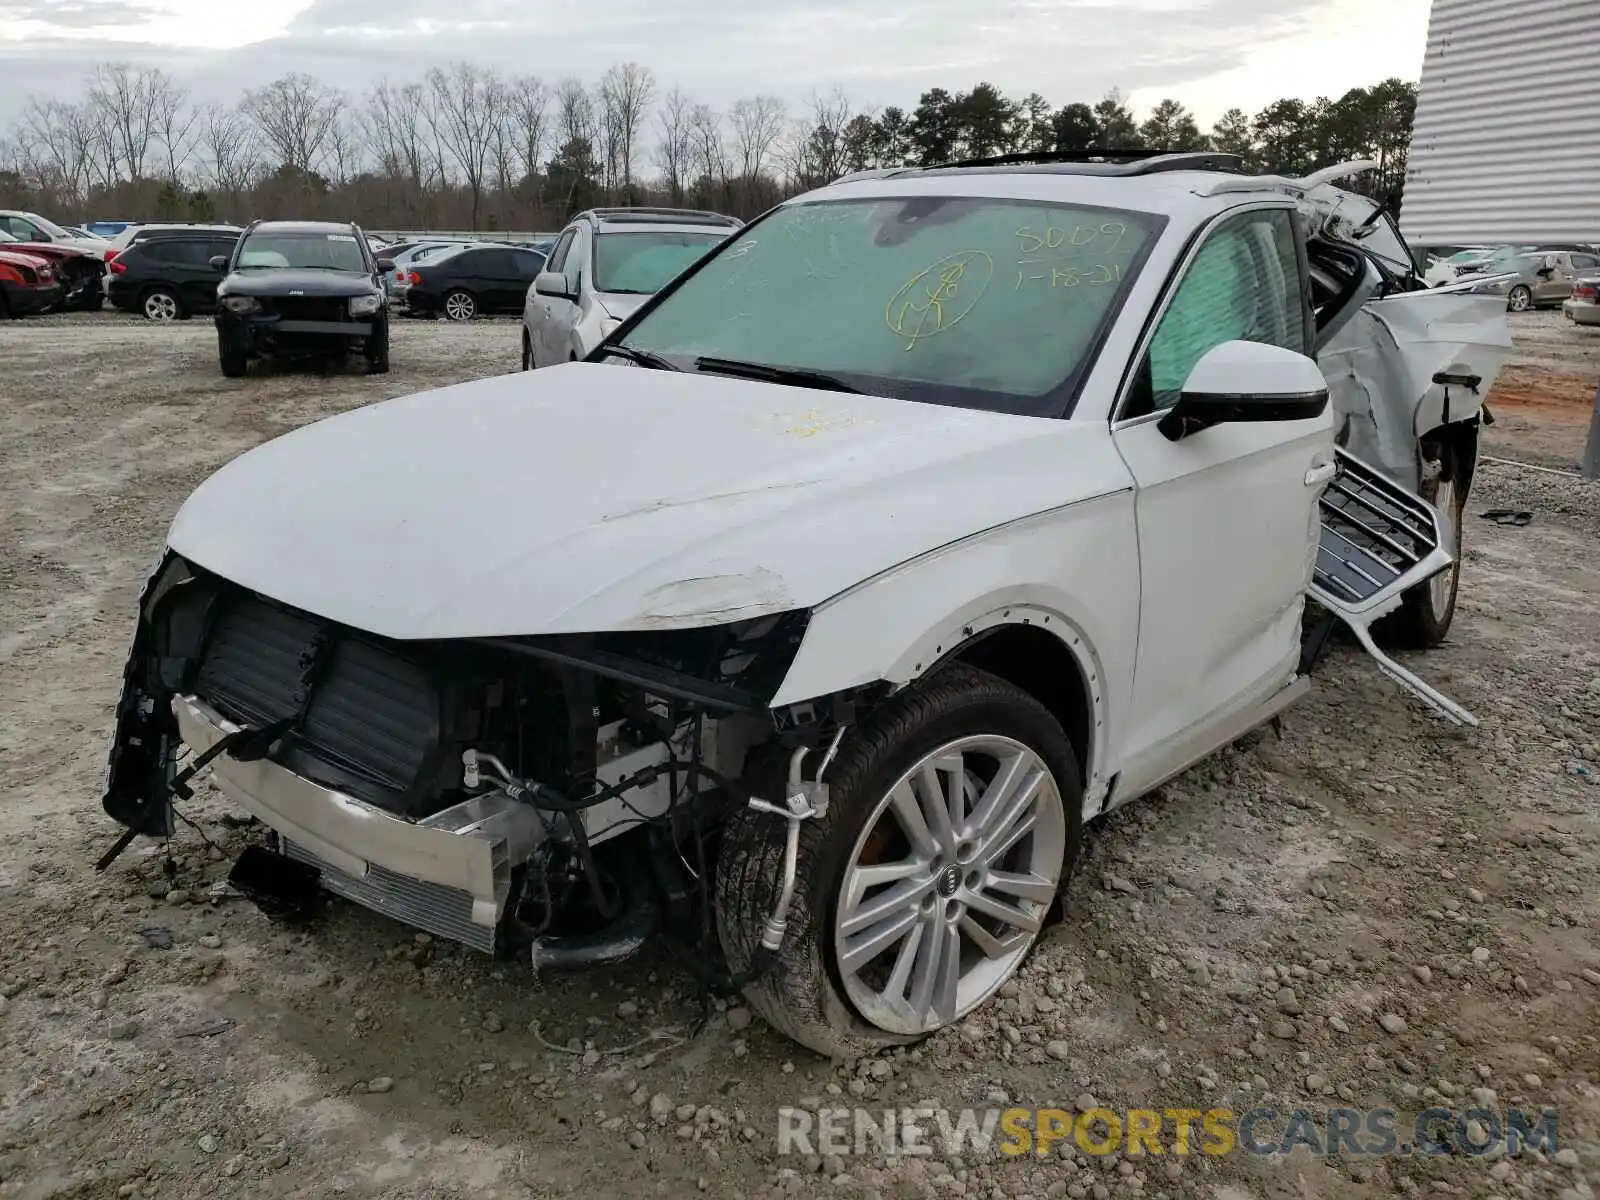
[1135, 160]
[692, 214]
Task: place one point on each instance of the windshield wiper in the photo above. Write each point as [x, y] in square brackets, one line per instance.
[798, 376]
[643, 358]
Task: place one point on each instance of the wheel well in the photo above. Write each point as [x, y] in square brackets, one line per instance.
[1040, 664]
[1458, 444]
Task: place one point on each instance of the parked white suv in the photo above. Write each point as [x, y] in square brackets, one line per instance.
[604, 265]
[933, 515]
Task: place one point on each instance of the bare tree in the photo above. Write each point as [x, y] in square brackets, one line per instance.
[228, 142]
[709, 152]
[178, 129]
[344, 149]
[57, 144]
[131, 102]
[296, 115]
[625, 93]
[757, 125]
[575, 118]
[467, 105]
[528, 114]
[675, 144]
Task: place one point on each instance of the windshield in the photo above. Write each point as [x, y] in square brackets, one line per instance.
[980, 303]
[307, 251]
[643, 263]
[50, 227]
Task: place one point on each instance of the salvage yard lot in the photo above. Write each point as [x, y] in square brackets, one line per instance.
[1235, 939]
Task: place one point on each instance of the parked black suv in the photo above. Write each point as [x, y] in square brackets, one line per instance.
[301, 289]
[169, 278]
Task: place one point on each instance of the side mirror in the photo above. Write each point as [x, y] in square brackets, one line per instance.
[385, 265]
[1246, 381]
[219, 262]
[552, 284]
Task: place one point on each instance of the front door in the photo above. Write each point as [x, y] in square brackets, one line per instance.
[1227, 517]
[544, 306]
[563, 315]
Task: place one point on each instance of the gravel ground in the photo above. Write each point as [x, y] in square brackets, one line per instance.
[1368, 910]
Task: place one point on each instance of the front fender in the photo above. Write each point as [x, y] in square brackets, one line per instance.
[1073, 571]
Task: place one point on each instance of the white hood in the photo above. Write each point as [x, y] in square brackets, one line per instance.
[589, 497]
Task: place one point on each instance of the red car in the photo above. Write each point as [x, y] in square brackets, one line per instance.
[28, 284]
[80, 272]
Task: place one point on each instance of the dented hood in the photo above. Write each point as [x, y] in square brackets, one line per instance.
[588, 497]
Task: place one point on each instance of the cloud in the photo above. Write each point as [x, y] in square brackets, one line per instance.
[716, 50]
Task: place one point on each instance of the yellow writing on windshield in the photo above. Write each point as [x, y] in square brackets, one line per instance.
[1068, 274]
[1104, 237]
[937, 298]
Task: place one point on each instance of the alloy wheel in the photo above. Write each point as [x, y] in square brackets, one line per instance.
[160, 306]
[949, 883]
[1442, 586]
[459, 307]
[1521, 299]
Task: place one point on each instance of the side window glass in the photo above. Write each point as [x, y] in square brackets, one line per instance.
[1244, 284]
[558, 256]
[577, 261]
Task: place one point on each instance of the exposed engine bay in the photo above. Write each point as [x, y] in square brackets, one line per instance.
[553, 798]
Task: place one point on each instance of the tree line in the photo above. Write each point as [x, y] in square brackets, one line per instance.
[467, 147]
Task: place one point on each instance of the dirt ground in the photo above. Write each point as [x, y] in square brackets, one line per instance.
[1371, 911]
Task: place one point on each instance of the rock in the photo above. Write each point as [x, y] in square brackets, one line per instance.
[1086, 1101]
[636, 1140]
[208, 1144]
[492, 1023]
[1116, 883]
[211, 941]
[1338, 1024]
[1392, 1023]
[156, 937]
[233, 1166]
[1060, 1051]
[1423, 974]
[158, 889]
[660, 1105]
[1590, 974]
[178, 896]
[275, 1161]
[627, 1009]
[1288, 1003]
[684, 1112]
[1286, 1030]
[739, 1019]
[380, 1085]
[1567, 1157]
[1480, 955]
[122, 1031]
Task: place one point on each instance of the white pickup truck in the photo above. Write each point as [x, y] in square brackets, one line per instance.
[936, 513]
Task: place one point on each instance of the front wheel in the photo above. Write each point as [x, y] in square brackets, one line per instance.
[235, 362]
[1427, 610]
[460, 306]
[162, 305]
[376, 352]
[1519, 299]
[527, 352]
[952, 824]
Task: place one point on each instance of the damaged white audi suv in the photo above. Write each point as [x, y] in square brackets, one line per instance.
[935, 513]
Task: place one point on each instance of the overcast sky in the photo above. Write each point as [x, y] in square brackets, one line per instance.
[1211, 54]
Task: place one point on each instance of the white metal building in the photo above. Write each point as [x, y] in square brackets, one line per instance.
[1506, 146]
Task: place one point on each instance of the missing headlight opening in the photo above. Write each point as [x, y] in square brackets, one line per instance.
[555, 799]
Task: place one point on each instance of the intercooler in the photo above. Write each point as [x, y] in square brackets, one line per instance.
[442, 911]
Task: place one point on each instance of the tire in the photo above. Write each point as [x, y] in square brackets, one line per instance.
[5, 306]
[235, 362]
[1426, 612]
[377, 353]
[527, 352]
[459, 305]
[807, 993]
[161, 304]
[1519, 299]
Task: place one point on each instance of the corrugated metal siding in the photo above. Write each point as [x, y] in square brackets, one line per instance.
[1506, 146]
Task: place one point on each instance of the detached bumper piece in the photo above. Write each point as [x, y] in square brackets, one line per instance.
[1378, 541]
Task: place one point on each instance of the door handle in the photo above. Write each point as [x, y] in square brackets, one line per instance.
[1320, 474]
